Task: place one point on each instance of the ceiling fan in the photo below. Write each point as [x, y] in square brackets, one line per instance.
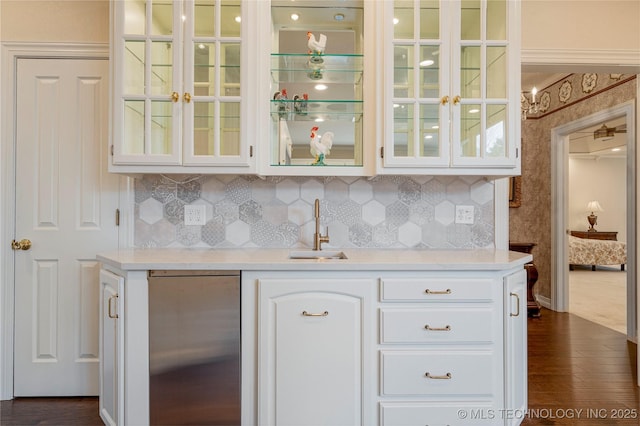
[605, 133]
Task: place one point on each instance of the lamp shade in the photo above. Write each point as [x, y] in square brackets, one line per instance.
[594, 206]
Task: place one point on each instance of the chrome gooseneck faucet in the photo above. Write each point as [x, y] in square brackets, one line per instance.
[318, 238]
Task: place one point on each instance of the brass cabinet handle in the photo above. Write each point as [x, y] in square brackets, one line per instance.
[518, 305]
[175, 96]
[445, 377]
[111, 315]
[456, 99]
[309, 314]
[445, 328]
[447, 291]
[444, 100]
[23, 244]
[187, 97]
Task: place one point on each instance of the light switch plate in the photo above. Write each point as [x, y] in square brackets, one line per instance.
[195, 215]
[464, 214]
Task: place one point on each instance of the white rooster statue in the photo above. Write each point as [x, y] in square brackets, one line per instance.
[320, 146]
[316, 47]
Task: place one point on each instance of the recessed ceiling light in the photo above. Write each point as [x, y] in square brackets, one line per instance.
[615, 149]
[238, 19]
[319, 120]
[428, 136]
[321, 87]
[435, 127]
[426, 63]
[295, 16]
[395, 21]
[201, 46]
[474, 111]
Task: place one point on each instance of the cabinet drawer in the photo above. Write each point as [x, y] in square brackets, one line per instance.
[437, 325]
[437, 289]
[440, 413]
[455, 373]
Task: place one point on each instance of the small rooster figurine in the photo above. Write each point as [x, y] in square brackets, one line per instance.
[320, 146]
[316, 47]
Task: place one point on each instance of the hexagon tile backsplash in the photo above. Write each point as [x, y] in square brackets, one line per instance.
[384, 212]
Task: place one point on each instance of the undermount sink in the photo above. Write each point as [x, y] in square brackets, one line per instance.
[317, 254]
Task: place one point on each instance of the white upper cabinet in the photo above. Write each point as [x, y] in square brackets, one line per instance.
[451, 87]
[318, 96]
[180, 72]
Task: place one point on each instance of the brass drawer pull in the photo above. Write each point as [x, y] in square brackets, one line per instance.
[445, 377]
[447, 291]
[114, 316]
[445, 328]
[308, 314]
[517, 305]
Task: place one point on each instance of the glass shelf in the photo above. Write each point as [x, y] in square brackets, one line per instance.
[305, 68]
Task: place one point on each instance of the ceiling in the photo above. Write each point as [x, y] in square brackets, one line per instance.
[582, 142]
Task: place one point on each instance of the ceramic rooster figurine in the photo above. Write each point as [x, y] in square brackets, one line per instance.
[316, 47]
[320, 146]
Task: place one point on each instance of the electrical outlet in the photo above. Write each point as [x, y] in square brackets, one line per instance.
[195, 215]
[464, 214]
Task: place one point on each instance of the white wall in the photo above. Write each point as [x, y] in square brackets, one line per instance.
[80, 21]
[604, 180]
[581, 24]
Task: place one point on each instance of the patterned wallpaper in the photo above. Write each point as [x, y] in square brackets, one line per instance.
[531, 222]
[390, 211]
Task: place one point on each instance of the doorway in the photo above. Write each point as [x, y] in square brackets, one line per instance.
[560, 140]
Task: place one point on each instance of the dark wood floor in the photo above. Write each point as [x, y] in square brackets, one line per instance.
[580, 373]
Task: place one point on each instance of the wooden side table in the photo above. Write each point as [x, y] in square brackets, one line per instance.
[533, 307]
[596, 235]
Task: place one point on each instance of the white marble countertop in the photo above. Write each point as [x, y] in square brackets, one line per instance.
[278, 259]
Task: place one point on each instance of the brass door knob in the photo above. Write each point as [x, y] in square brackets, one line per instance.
[23, 244]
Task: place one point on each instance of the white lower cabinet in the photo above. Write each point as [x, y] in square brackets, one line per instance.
[346, 347]
[441, 358]
[315, 348]
[515, 334]
[111, 347]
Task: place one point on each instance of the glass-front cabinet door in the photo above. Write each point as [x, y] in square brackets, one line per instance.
[320, 96]
[177, 77]
[451, 87]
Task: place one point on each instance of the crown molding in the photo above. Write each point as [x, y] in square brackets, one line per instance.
[572, 60]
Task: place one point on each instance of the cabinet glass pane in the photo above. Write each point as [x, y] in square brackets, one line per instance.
[230, 69]
[470, 82]
[470, 130]
[471, 20]
[134, 17]
[203, 128]
[230, 128]
[430, 130]
[403, 19]
[429, 19]
[133, 73]
[429, 72]
[403, 130]
[204, 12]
[133, 128]
[162, 17]
[204, 56]
[496, 131]
[497, 72]
[161, 68]
[230, 18]
[161, 129]
[403, 72]
[496, 19]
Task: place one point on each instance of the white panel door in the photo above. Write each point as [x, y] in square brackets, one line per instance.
[65, 205]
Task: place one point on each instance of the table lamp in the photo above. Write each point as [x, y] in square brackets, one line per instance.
[593, 206]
